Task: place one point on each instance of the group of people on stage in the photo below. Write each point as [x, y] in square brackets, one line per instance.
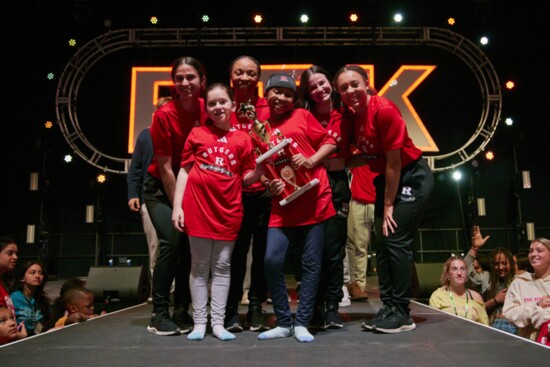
[209, 203]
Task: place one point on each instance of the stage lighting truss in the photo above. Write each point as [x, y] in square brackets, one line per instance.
[87, 56]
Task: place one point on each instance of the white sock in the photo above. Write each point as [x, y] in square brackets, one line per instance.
[278, 332]
[199, 330]
[302, 334]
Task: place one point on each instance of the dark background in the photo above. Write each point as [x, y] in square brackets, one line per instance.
[35, 39]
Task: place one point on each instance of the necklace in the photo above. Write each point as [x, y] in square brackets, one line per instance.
[453, 301]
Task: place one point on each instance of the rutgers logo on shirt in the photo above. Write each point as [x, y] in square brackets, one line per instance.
[222, 155]
[334, 135]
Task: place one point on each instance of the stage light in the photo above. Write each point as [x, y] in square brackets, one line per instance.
[33, 185]
[50, 76]
[484, 40]
[68, 158]
[489, 155]
[398, 18]
[258, 18]
[526, 179]
[304, 18]
[101, 178]
[510, 85]
[530, 227]
[72, 42]
[353, 17]
[48, 124]
[508, 121]
[154, 20]
[31, 233]
[457, 175]
[481, 212]
[89, 213]
[107, 23]
[451, 21]
[205, 18]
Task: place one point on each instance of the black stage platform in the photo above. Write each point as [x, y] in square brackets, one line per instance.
[120, 339]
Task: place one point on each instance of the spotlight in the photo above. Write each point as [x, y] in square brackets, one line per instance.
[101, 178]
[451, 21]
[489, 155]
[304, 18]
[89, 213]
[107, 23]
[33, 185]
[398, 18]
[68, 158]
[509, 121]
[526, 179]
[205, 18]
[50, 76]
[510, 85]
[530, 227]
[72, 42]
[353, 17]
[48, 124]
[154, 20]
[484, 40]
[457, 175]
[481, 211]
[258, 19]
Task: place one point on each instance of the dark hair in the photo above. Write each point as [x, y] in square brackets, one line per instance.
[188, 60]
[42, 300]
[5, 241]
[304, 99]
[220, 86]
[494, 278]
[483, 261]
[522, 261]
[246, 57]
[72, 294]
[7, 279]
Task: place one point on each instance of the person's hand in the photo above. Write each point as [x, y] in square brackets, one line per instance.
[298, 160]
[477, 239]
[21, 330]
[276, 187]
[134, 204]
[389, 224]
[177, 218]
[501, 296]
[544, 302]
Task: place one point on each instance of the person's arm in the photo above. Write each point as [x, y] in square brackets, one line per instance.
[393, 175]
[323, 152]
[253, 176]
[177, 211]
[168, 177]
[134, 178]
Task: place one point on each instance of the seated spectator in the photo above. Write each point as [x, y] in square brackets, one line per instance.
[8, 260]
[79, 305]
[527, 303]
[481, 263]
[454, 297]
[522, 263]
[8, 327]
[32, 305]
[58, 306]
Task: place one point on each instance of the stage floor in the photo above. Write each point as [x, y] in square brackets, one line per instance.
[120, 339]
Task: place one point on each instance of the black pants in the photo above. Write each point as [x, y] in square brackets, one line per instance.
[174, 259]
[334, 246]
[394, 255]
[257, 209]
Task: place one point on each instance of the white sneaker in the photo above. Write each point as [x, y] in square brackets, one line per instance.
[346, 301]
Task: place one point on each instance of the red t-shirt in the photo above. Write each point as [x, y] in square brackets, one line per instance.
[381, 130]
[307, 136]
[171, 126]
[242, 123]
[362, 186]
[212, 201]
[5, 299]
[340, 130]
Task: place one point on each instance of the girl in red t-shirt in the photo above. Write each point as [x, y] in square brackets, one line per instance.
[8, 260]
[217, 161]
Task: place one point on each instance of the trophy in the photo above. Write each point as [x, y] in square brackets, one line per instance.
[276, 158]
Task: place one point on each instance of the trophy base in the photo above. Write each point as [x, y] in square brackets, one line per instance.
[302, 190]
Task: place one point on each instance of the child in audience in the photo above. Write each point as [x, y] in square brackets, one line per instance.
[8, 327]
[79, 305]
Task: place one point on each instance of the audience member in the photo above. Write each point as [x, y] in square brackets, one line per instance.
[9, 331]
[403, 187]
[301, 222]
[32, 305]
[454, 297]
[171, 125]
[527, 303]
[521, 259]
[244, 73]
[317, 95]
[79, 306]
[141, 159]
[8, 261]
[217, 161]
[495, 281]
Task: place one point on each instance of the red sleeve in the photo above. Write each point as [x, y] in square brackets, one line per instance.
[340, 130]
[316, 133]
[161, 134]
[188, 153]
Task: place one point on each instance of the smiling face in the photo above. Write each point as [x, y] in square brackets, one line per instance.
[457, 273]
[353, 89]
[244, 77]
[8, 258]
[501, 265]
[219, 107]
[319, 88]
[188, 82]
[539, 257]
[280, 101]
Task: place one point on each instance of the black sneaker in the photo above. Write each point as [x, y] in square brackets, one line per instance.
[162, 324]
[396, 322]
[332, 318]
[256, 319]
[232, 322]
[382, 313]
[181, 317]
[318, 319]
